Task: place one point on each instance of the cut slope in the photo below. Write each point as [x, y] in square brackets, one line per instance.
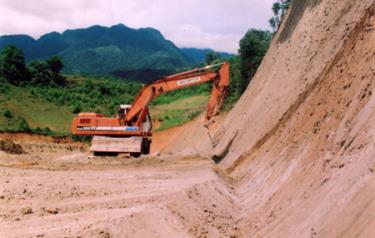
[299, 144]
[302, 137]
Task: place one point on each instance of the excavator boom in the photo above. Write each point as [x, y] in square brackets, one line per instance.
[183, 80]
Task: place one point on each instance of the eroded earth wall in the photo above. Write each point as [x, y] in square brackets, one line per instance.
[302, 146]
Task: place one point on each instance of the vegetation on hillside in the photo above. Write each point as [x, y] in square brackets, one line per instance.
[20, 111]
[253, 47]
[44, 105]
[13, 69]
[36, 96]
[198, 56]
[102, 50]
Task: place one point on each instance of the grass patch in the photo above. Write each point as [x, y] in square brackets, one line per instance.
[180, 111]
[177, 117]
[38, 113]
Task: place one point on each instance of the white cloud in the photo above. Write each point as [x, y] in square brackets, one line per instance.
[194, 36]
[217, 24]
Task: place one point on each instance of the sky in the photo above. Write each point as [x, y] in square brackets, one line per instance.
[215, 24]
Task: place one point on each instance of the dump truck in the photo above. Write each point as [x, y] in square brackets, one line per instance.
[130, 130]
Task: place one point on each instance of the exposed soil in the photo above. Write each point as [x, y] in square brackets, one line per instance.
[191, 138]
[296, 155]
[10, 147]
[59, 190]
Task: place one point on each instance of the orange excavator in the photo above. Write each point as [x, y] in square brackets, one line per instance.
[130, 131]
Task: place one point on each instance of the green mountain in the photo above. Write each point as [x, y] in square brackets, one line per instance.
[102, 50]
[198, 56]
[136, 54]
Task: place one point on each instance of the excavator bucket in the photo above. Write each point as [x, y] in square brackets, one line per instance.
[107, 144]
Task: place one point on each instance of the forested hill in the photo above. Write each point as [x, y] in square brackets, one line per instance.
[103, 50]
[199, 55]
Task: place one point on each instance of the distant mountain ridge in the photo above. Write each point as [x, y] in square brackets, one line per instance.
[104, 50]
[199, 55]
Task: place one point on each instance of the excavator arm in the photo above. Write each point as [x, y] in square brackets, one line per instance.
[193, 77]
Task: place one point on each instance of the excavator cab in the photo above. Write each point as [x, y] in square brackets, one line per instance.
[123, 110]
[132, 139]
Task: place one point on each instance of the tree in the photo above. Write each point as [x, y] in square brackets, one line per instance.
[55, 64]
[253, 47]
[273, 23]
[40, 72]
[279, 9]
[46, 72]
[12, 65]
[211, 56]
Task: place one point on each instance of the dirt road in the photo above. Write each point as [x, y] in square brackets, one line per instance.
[64, 192]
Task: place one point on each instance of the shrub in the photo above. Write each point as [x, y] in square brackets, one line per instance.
[23, 126]
[3, 86]
[7, 113]
[40, 72]
[46, 131]
[76, 108]
[43, 131]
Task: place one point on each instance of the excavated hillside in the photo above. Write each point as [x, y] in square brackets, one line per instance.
[300, 143]
[294, 158]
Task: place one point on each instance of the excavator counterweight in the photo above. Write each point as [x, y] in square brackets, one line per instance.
[130, 130]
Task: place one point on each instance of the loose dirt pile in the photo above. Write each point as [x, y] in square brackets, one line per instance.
[10, 147]
[296, 156]
[191, 138]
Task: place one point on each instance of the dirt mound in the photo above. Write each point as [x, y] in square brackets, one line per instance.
[192, 137]
[10, 147]
[26, 138]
